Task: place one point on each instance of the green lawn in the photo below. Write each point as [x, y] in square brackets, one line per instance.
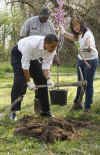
[87, 144]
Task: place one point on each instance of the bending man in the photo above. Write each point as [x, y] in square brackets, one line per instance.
[24, 58]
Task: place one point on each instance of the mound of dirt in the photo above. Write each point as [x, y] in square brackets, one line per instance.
[50, 130]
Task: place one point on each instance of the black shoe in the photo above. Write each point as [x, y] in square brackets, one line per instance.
[13, 116]
[46, 114]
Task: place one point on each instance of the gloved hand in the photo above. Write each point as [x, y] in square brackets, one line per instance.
[31, 85]
[50, 83]
[62, 30]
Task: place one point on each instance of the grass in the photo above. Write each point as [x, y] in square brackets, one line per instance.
[88, 144]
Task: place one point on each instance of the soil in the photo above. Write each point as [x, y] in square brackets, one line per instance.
[51, 130]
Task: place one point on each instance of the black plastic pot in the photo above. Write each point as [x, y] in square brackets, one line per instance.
[58, 96]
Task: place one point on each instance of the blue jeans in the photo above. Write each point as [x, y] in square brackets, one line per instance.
[88, 74]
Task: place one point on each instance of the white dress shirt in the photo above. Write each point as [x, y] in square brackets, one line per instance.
[32, 48]
[85, 42]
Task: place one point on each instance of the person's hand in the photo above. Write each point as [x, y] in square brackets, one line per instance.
[56, 60]
[50, 83]
[62, 30]
[31, 85]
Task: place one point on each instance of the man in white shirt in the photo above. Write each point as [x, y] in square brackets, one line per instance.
[24, 58]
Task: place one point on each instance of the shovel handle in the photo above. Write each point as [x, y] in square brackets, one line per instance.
[69, 84]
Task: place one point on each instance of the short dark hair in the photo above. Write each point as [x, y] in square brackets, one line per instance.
[50, 38]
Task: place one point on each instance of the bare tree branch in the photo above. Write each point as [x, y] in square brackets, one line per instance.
[20, 1]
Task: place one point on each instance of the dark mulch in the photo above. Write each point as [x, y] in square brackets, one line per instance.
[51, 129]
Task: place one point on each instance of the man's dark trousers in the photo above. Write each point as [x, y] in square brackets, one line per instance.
[19, 84]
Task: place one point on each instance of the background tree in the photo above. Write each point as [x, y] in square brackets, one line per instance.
[19, 10]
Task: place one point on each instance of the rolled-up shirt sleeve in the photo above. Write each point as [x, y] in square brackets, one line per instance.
[26, 58]
[47, 62]
[90, 42]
